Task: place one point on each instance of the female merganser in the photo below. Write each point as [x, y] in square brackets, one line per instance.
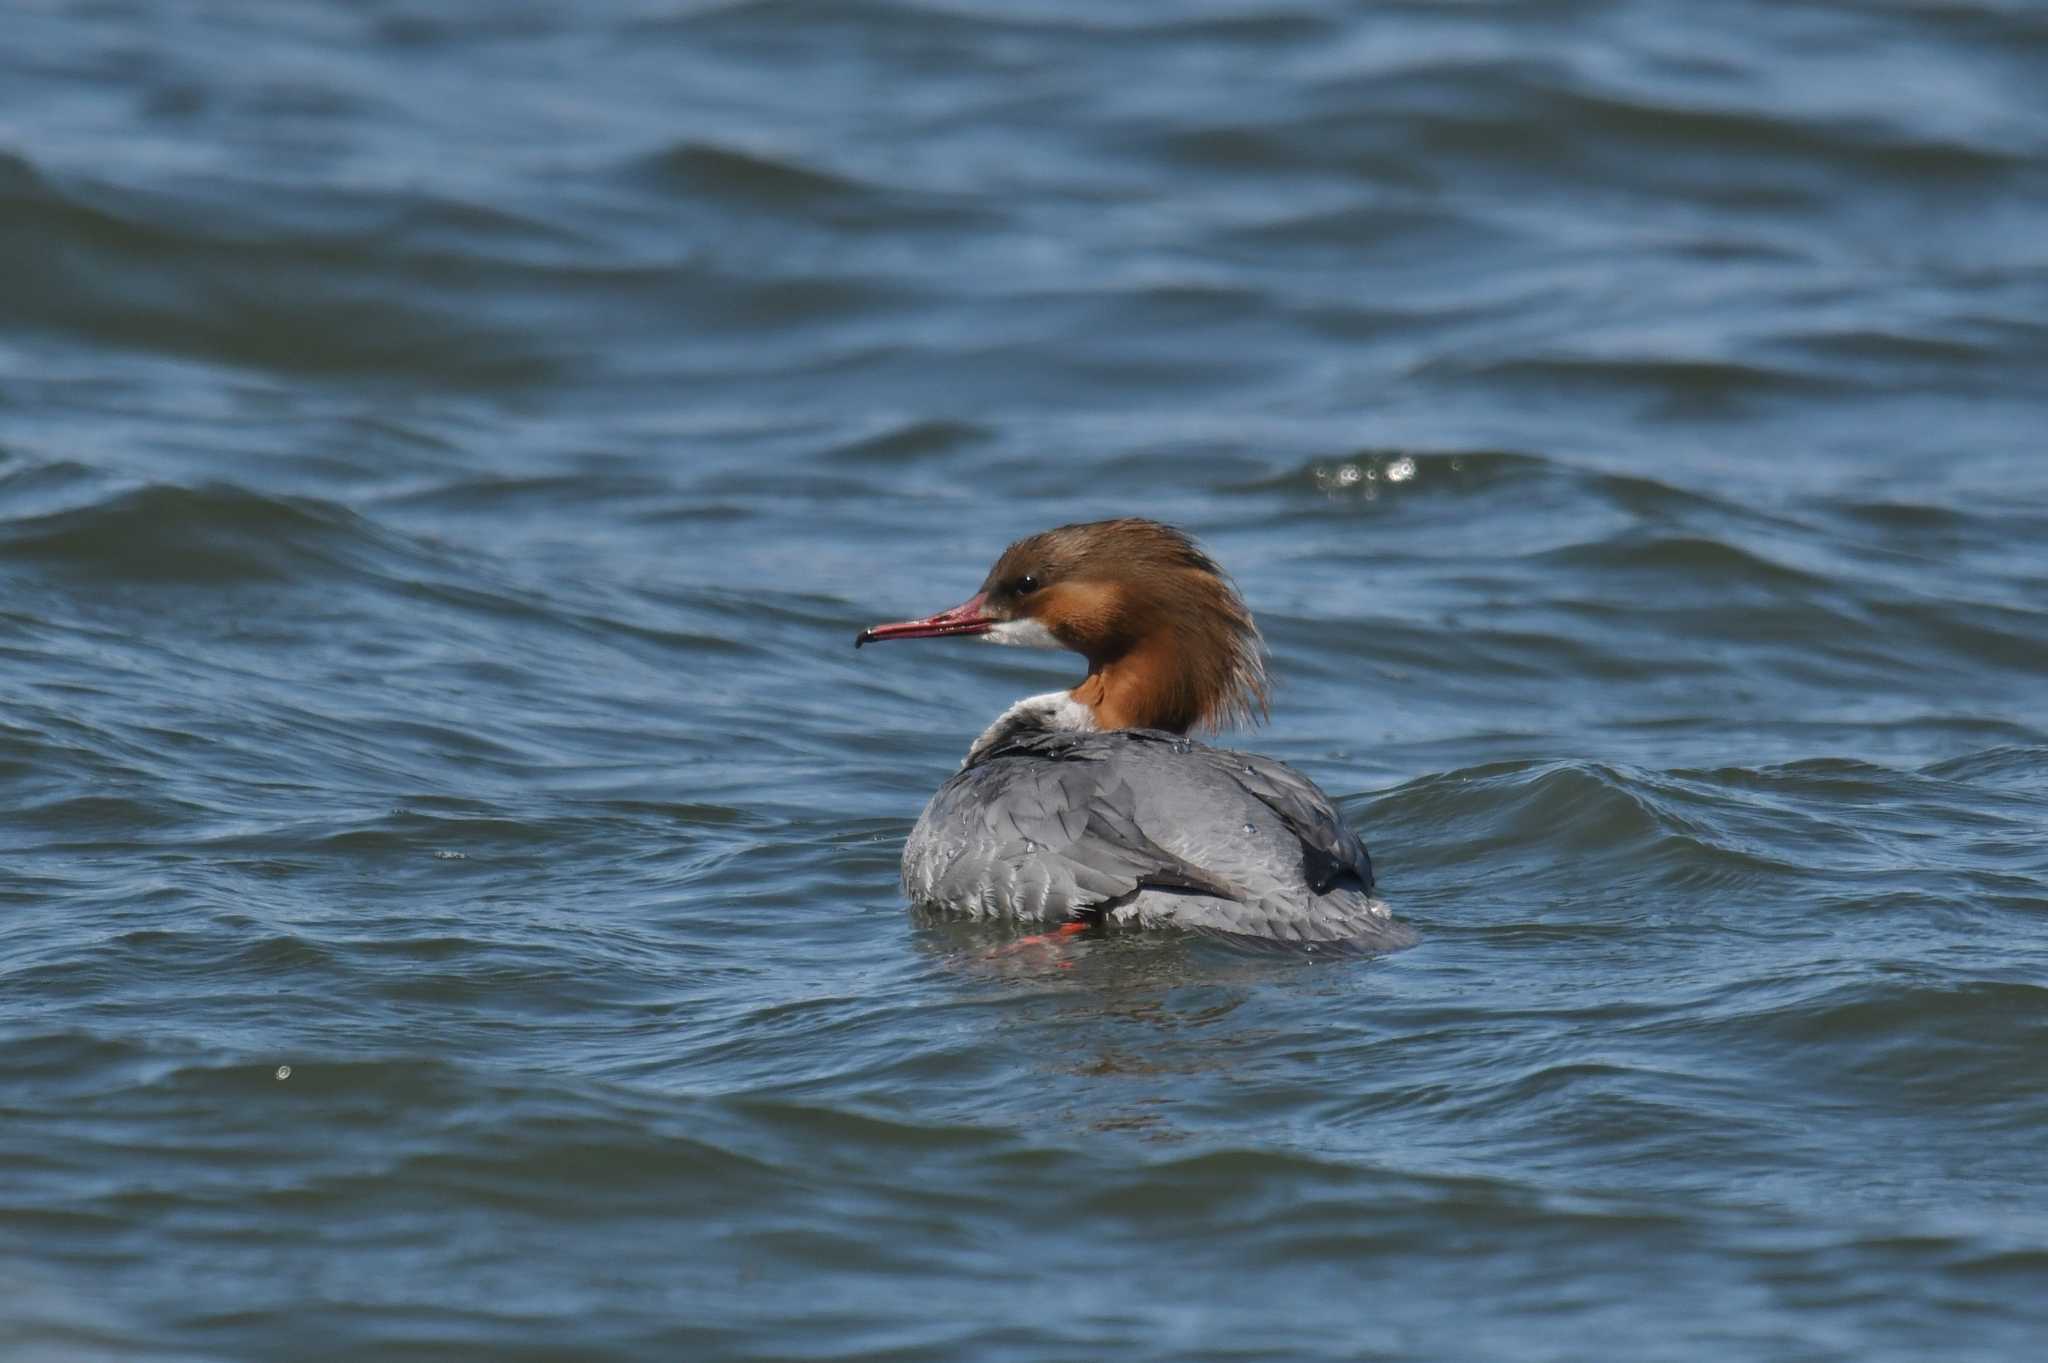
[1092, 806]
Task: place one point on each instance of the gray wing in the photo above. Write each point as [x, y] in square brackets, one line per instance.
[1331, 853]
[1299, 874]
[1043, 830]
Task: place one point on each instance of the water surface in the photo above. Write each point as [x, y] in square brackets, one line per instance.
[446, 451]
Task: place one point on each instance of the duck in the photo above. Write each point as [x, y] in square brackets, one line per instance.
[1092, 808]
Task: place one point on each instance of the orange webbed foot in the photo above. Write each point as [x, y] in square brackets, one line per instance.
[1056, 938]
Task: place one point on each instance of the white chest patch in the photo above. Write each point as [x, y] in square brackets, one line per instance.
[1053, 710]
[1025, 633]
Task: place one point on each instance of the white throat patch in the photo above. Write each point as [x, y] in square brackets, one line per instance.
[1023, 633]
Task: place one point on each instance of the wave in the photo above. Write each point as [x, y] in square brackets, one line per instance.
[210, 535]
[714, 174]
[1621, 831]
[346, 295]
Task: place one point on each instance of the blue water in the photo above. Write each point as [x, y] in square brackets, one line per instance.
[450, 903]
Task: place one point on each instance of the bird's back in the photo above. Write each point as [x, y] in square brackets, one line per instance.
[1148, 828]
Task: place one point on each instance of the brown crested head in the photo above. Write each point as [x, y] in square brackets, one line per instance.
[1169, 643]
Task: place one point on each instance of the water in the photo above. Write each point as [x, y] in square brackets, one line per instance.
[446, 452]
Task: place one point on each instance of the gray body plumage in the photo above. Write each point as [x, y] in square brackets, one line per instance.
[1147, 828]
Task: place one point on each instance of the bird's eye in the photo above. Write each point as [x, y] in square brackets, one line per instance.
[1026, 585]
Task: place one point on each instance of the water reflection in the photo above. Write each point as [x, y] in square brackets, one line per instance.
[1158, 1034]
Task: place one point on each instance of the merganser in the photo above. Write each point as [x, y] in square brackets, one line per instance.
[1091, 806]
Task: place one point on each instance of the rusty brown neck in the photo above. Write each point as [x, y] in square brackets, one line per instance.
[1147, 686]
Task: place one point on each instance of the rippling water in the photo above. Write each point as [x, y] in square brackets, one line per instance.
[450, 910]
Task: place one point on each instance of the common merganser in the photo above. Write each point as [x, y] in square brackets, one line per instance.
[1092, 806]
